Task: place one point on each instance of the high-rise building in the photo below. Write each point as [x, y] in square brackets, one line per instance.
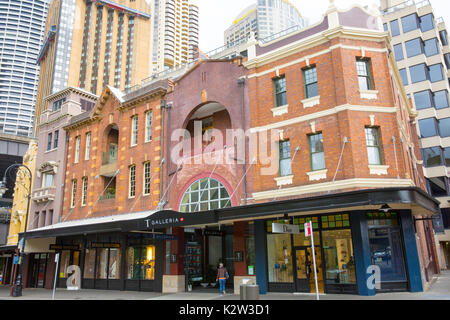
[22, 32]
[175, 33]
[264, 18]
[94, 43]
[421, 48]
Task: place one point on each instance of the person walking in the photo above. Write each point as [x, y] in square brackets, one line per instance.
[222, 276]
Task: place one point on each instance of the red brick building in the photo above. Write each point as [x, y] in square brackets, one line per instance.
[179, 176]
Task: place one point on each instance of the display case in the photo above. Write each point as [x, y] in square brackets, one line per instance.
[192, 261]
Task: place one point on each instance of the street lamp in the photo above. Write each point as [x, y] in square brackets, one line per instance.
[17, 287]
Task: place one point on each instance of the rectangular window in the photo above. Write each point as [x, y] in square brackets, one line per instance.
[49, 141]
[438, 186]
[132, 182]
[447, 157]
[410, 23]
[285, 158]
[444, 38]
[373, 146]
[77, 149]
[47, 180]
[398, 51]
[423, 100]
[426, 22]
[441, 99]
[436, 72]
[74, 193]
[414, 47]
[444, 127]
[280, 91]
[134, 130]
[428, 128]
[311, 85]
[431, 47]
[364, 75]
[432, 157]
[418, 73]
[404, 75]
[55, 139]
[395, 29]
[147, 176]
[84, 191]
[87, 153]
[316, 152]
[148, 126]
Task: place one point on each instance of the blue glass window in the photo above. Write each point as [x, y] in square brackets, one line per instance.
[410, 23]
[431, 47]
[432, 157]
[398, 50]
[427, 22]
[436, 72]
[444, 127]
[404, 75]
[395, 29]
[418, 73]
[423, 100]
[428, 128]
[414, 47]
[441, 99]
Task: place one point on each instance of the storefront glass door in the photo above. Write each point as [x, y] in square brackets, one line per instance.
[305, 281]
[38, 270]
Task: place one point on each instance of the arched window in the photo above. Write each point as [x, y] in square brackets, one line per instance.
[205, 194]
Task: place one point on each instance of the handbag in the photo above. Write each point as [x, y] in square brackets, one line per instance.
[227, 275]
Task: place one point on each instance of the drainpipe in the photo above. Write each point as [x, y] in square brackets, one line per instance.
[168, 108]
[64, 178]
[241, 83]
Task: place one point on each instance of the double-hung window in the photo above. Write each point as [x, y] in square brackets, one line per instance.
[311, 85]
[364, 74]
[148, 126]
[317, 152]
[55, 139]
[147, 177]
[280, 91]
[134, 130]
[132, 181]
[373, 146]
[49, 141]
[77, 148]
[87, 153]
[285, 158]
[74, 194]
[84, 191]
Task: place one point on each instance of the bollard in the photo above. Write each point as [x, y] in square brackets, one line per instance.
[252, 292]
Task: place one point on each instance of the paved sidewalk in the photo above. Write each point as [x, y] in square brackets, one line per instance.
[439, 290]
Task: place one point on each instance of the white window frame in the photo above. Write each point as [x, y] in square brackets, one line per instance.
[134, 130]
[146, 175]
[148, 125]
[74, 193]
[84, 191]
[87, 153]
[132, 181]
[77, 149]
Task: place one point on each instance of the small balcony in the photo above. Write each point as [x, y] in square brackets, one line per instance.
[44, 194]
[109, 164]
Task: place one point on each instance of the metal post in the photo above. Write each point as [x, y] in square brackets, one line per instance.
[56, 275]
[314, 259]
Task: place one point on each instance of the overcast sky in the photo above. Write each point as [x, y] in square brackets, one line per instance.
[218, 15]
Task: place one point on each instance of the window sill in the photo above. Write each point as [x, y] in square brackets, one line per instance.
[278, 111]
[317, 175]
[311, 102]
[378, 170]
[369, 94]
[51, 150]
[283, 181]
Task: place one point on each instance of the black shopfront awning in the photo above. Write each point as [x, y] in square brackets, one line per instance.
[157, 220]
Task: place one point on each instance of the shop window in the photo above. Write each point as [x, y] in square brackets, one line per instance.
[114, 263]
[335, 221]
[300, 240]
[311, 85]
[89, 264]
[339, 257]
[102, 263]
[141, 263]
[279, 254]
[386, 246]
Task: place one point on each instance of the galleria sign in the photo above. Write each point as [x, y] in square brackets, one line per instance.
[164, 221]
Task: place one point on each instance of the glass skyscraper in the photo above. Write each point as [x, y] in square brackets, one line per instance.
[22, 26]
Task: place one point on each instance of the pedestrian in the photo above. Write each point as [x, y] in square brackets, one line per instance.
[222, 276]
